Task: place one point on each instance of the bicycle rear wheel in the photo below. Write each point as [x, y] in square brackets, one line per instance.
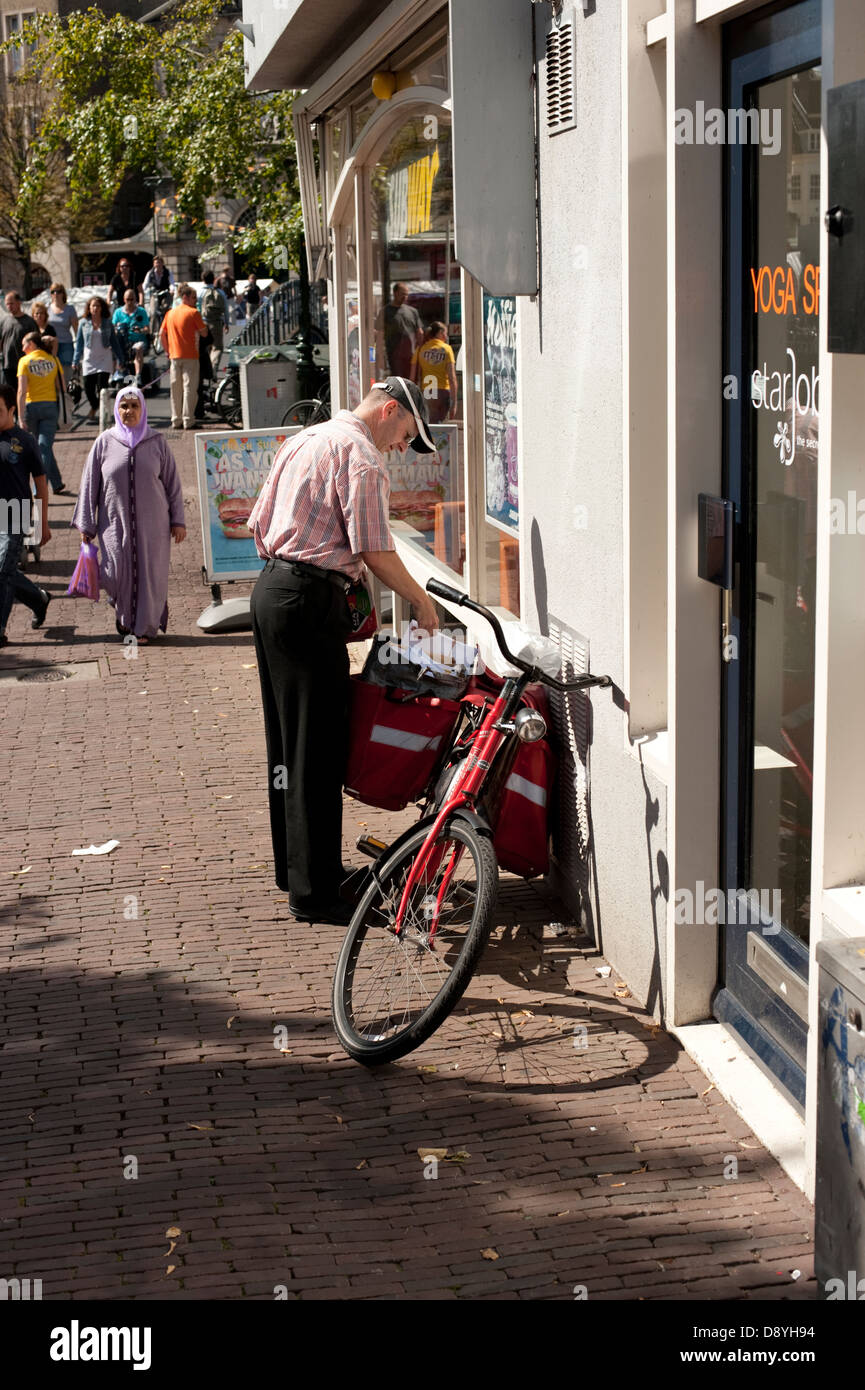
[227, 399]
[391, 992]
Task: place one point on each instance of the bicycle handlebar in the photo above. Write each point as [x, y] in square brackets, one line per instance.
[455, 596]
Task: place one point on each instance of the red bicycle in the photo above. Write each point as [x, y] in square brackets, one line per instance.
[426, 912]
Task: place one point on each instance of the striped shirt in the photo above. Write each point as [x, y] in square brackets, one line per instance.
[325, 499]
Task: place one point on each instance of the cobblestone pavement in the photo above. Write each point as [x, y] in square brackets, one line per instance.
[146, 1043]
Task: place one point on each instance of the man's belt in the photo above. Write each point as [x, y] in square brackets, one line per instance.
[341, 581]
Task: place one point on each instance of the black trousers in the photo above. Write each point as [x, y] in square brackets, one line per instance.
[94, 382]
[300, 624]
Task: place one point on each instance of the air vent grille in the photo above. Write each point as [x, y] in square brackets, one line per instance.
[561, 78]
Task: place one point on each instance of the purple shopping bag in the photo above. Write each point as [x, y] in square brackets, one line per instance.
[85, 581]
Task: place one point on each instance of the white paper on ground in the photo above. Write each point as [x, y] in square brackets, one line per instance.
[98, 849]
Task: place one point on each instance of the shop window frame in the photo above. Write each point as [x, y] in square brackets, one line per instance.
[348, 209]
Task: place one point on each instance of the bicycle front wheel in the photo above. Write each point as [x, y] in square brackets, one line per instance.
[392, 990]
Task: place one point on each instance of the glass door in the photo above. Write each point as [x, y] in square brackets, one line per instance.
[772, 427]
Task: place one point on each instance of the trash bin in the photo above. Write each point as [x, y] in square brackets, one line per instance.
[268, 386]
[839, 1236]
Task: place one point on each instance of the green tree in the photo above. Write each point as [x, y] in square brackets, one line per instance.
[121, 96]
[34, 209]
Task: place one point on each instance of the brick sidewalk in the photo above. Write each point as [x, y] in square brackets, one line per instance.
[147, 1042]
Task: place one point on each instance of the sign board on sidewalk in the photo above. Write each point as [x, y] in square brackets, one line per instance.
[231, 466]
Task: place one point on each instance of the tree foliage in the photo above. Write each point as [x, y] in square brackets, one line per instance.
[34, 208]
[120, 96]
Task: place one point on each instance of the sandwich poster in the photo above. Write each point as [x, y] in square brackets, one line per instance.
[231, 469]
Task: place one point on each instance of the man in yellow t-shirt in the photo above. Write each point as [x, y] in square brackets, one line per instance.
[433, 368]
[39, 381]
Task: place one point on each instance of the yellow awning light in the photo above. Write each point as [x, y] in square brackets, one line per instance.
[384, 84]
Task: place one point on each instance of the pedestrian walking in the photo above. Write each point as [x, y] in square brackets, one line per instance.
[213, 307]
[13, 326]
[205, 374]
[39, 314]
[63, 323]
[181, 328]
[400, 323]
[320, 521]
[97, 351]
[21, 469]
[124, 279]
[130, 498]
[252, 294]
[39, 386]
[226, 283]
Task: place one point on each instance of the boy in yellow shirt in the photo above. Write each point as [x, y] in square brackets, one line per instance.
[39, 380]
[433, 368]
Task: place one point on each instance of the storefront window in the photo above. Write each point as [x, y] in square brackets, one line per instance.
[429, 70]
[360, 114]
[417, 276]
[417, 323]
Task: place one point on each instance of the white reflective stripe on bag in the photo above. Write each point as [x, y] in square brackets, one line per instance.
[402, 738]
[530, 790]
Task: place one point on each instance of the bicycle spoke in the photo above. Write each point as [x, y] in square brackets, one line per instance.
[397, 975]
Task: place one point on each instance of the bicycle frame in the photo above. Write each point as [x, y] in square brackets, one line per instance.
[484, 747]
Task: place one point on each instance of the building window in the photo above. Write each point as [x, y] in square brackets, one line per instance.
[16, 59]
[133, 215]
[795, 187]
[813, 141]
[814, 188]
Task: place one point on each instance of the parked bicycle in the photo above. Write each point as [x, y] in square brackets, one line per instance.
[309, 412]
[222, 397]
[426, 912]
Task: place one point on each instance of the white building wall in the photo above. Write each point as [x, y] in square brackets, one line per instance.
[572, 371]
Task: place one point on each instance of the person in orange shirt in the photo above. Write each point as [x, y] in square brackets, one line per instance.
[180, 332]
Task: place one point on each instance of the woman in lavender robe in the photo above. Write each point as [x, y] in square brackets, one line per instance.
[130, 497]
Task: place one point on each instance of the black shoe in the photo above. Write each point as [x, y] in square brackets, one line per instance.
[121, 631]
[39, 615]
[4, 640]
[337, 914]
[59, 491]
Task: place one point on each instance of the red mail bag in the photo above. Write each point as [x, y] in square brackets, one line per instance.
[396, 740]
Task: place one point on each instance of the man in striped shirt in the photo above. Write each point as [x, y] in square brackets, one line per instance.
[321, 517]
